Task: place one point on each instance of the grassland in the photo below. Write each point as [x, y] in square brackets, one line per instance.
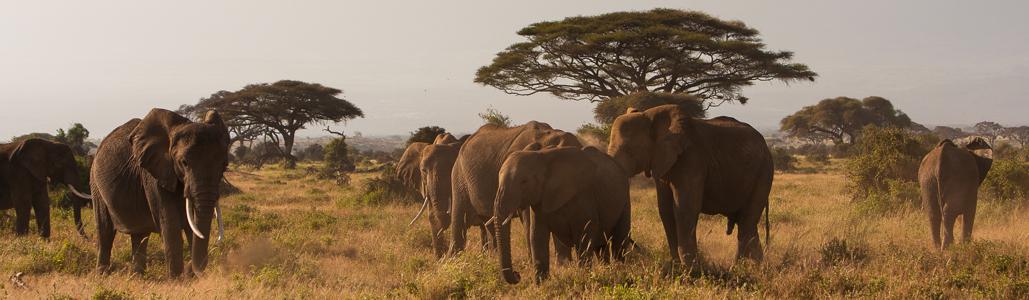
[290, 235]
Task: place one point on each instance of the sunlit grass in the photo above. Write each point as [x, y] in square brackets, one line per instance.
[291, 235]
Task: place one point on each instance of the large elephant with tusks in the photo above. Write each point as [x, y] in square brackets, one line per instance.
[160, 174]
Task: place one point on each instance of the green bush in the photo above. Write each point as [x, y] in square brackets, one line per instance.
[1008, 181]
[385, 188]
[782, 160]
[884, 163]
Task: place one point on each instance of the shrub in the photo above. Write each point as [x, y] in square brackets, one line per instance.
[820, 158]
[882, 156]
[1008, 181]
[493, 116]
[594, 135]
[425, 134]
[385, 188]
[782, 160]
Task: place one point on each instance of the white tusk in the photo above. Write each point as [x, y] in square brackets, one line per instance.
[189, 218]
[77, 193]
[221, 229]
[494, 218]
[420, 211]
[507, 220]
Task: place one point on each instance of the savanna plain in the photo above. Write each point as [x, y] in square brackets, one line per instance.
[292, 235]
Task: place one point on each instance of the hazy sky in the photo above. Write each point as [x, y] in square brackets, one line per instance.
[410, 64]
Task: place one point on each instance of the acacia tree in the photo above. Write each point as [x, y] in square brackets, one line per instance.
[841, 119]
[1018, 134]
[947, 132]
[426, 134]
[278, 110]
[595, 58]
[988, 129]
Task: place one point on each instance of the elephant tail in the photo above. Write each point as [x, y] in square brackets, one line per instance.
[768, 230]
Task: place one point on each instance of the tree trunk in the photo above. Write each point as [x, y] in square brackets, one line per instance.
[287, 142]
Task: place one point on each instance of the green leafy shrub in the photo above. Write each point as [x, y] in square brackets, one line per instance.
[883, 161]
[782, 160]
[1008, 181]
[495, 117]
[385, 188]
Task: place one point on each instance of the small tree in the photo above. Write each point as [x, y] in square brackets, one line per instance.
[841, 119]
[313, 152]
[884, 164]
[425, 134]
[945, 132]
[989, 130]
[1018, 134]
[337, 156]
[493, 116]
[782, 160]
[75, 138]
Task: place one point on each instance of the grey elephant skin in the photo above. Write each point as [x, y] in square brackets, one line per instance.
[475, 176]
[716, 166]
[150, 175]
[24, 169]
[580, 195]
[949, 178]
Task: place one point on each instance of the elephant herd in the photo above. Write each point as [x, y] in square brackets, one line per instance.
[579, 196]
[160, 174]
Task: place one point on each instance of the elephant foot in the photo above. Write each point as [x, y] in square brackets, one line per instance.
[103, 269]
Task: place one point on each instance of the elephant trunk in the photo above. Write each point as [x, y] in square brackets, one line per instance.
[204, 214]
[501, 221]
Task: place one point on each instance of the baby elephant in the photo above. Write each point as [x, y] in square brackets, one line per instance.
[580, 195]
[949, 178]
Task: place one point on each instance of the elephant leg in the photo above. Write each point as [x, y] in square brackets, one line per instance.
[666, 208]
[104, 235]
[748, 238]
[563, 252]
[457, 221]
[620, 241]
[139, 244]
[22, 211]
[935, 220]
[687, 214]
[967, 221]
[948, 226]
[540, 245]
[41, 206]
[171, 234]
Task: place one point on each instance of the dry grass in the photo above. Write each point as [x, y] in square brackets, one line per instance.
[290, 235]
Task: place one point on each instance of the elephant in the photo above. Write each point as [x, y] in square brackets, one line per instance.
[713, 166]
[475, 176]
[407, 167]
[25, 167]
[580, 195]
[153, 175]
[435, 165]
[949, 179]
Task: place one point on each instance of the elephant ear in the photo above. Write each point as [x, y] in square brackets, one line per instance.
[668, 130]
[214, 119]
[151, 146]
[567, 179]
[983, 164]
[31, 154]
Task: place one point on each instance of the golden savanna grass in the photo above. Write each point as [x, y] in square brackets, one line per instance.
[290, 235]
